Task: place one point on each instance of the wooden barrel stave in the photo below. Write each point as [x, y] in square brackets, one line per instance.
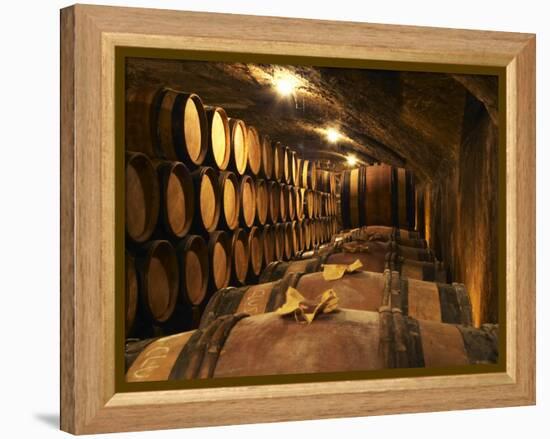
[177, 198]
[192, 254]
[158, 274]
[378, 194]
[255, 245]
[247, 194]
[207, 199]
[219, 138]
[240, 257]
[268, 239]
[142, 197]
[278, 162]
[142, 112]
[131, 292]
[274, 196]
[219, 258]
[230, 201]
[254, 150]
[238, 161]
[182, 128]
[267, 157]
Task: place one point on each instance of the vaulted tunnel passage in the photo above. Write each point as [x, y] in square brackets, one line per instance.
[442, 127]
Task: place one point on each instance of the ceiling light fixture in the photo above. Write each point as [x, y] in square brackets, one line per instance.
[284, 86]
[332, 135]
[352, 160]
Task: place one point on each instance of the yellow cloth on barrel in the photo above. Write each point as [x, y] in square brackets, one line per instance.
[336, 271]
[304, 309]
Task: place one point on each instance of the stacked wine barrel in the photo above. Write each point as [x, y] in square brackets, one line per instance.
[378, 195]
[221, 220]
[387, 318]
[209, 202]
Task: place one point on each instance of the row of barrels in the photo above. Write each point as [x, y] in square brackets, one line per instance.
[408, 256]
[385, 319]
[204, 200]
[173, 125]
[347, 340]
[378, 195]
[168, 285]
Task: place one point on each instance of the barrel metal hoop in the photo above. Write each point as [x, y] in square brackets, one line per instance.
[449, 305]
[464, 303]
[415, 351]
[153, 121]
[199, 356]
[481, 345]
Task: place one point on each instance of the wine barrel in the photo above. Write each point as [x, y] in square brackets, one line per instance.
[299, 202]
[238, 160]
[306, 234]
[240, 256]
[230, 201]
[177, 198]
[288, 165]
[297, 236]
[256, 246]
[254, 150]
[182, 128]
[343, 341]
[332, 183]
[389, 233]
[378, 257]
[309, 201]
[262, 202]
[142, 112]
[267, 157]
[278, 162]
[290, 239]
[219, 256]
[291, 208]
[268, 239]
[378, 195]
[130, 293]
[318, 204]
[294, 168]
[142, 202]
[158, 274]
[274, 197]
[192, 254]
[309, 174]
[207, 200]
[247, 194]
[279, 233]
[283, 202]
[365, 291]
[299, 172]
[219, 138]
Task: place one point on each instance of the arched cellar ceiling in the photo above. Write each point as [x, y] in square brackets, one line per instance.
[407, 119]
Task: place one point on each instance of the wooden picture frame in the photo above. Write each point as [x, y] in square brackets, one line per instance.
[90, 36]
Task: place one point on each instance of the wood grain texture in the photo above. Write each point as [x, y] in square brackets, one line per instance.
[89, 36]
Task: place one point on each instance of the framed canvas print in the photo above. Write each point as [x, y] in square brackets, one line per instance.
[270, 219]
